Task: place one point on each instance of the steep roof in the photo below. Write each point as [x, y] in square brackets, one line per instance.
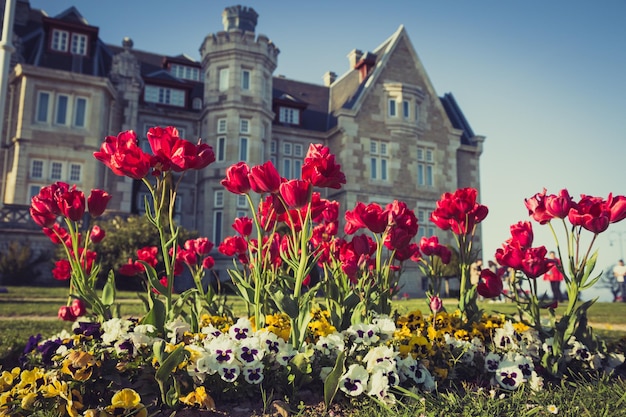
[457, 118]
[310, 97]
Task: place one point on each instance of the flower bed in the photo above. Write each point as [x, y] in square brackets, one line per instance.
[188, 351]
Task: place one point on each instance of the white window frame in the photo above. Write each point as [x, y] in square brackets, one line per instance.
[78, 44]
[289, 115]
[76, 122]
[246, 80]
[242, 201]
[392, 107]
[243, 149]
[164, 95]
[222, 125]
[406, 109]
[38, 173]
[220, 154]
[61, 174]
[40, 109]
[287, 148]
[298, 150]
[425, 167]
[218, 198]
[33, 190]
[57, 108]
[273, 146]
[223, 79]
[244, 126]
[59, 40]
[426, 229]
[70, 172]
[379, 162]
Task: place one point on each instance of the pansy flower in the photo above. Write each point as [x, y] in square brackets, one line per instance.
[354, 381]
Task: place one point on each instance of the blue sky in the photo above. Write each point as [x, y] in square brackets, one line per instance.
[543, 81]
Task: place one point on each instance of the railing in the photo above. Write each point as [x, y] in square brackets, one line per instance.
[16, 216]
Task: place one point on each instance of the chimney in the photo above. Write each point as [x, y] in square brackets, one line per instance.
[329, 78]
[353, 57]
[365, 65]
[239, 17]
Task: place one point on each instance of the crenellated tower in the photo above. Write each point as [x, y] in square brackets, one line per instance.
[237, 113]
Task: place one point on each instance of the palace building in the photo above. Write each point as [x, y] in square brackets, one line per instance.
[394, 136]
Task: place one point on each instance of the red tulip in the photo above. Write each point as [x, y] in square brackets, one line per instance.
[459, 211]
[522, 233]
[435, 304]
[535, 262]
[491, 284]
[97, 234]
[375, 218]
[617, 206]
[320, 169]
[205, 156]
[354, 219]
[264, 178]
[97, 202]
[65, 313]
[558, 206]
[295, 193]
[537, 208]
[243, 226]
[591, 213]
[71, 203]
[208, 262]
[236, 180]
[62, 270]
[131, 268]
[148, 254]
[122, 155]
[78, 307]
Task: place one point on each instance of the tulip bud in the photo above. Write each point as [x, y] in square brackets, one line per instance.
[97, 234]
[97, 202]
[435, 304]
[78, 308]
[65, 313]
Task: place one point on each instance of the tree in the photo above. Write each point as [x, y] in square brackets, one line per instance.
[19, 265]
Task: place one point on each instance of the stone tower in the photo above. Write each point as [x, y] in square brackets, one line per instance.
[237, 110]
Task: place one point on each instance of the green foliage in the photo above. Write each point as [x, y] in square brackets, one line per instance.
[18, 264]
[123, 237]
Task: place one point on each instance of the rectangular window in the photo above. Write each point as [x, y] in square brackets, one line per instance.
[75, 172]
[287, 168]
[185, 72]
[43, 105]
[223, 79]
[162, 95]
[59, 40]
[217, 226]
[245, 80]
[392, 108]
[244, 126]
[241, 214]
[221, 149]
[56, 171]
[36, 169]
[243, 149]
[273, 146]
[242, 201]
[297, 168]
[378, 160]
[289, 115]
[80, 108]
[221, 125]
[406, 109]
[33, 190]
[79, 44]
[425, 167]
[297, 149]
[218, 198]
[61, 110]
[287, 148]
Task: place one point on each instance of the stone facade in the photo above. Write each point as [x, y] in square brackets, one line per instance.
[394, 136]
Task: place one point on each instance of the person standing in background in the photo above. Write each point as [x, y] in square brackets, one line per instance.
[619, 272]
[554, 276]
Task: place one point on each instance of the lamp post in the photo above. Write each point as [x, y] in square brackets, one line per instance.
[620, 235]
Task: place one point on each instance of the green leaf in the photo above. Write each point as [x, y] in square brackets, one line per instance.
[284, 302]
[171, 362]
[108, 292]
[156, 315]
[331, 383]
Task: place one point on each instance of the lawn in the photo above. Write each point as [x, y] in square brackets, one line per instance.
[26, 311]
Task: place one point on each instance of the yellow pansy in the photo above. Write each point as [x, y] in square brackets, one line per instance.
[200, 398]
[28, 400]
[125, 401]
[79, 365]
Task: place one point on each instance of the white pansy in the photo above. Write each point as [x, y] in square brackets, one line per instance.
[380, 358]
[241, 330]
[253, 374]
[354, 381]
[364, 334]
[508, 375]
[114, 330]
[492, 362]
[286, 354]
[229, 372]
[269, 342]
[176, 330]
[386, 327]
[249, 351]
[330, 344]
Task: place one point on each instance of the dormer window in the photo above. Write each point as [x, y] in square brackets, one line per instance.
[289, 115]
[59, 40]
[185, 72]
[64, 41]
[164, 95]
[79, 44]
